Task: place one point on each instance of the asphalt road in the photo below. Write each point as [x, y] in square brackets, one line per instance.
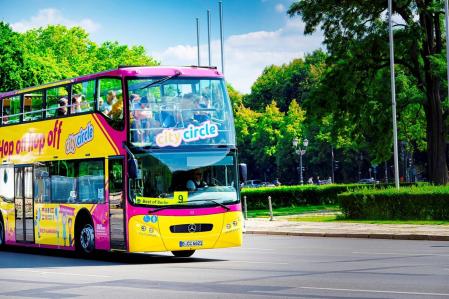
[265, 267]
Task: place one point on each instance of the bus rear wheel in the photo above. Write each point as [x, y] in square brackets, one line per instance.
[85, 239]
[2, 233]
[183, 253]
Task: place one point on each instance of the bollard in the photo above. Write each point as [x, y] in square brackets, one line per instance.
[270, 207]
[245, 207]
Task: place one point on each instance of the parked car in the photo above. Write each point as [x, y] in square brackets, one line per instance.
[252, 184]
[368, 181]
[267, 184]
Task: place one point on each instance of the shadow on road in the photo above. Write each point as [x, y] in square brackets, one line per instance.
[10, 256]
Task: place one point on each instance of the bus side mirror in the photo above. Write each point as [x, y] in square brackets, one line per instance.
[243, 172]
[132, 168]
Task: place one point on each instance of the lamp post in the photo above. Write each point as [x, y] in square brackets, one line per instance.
[300, 152]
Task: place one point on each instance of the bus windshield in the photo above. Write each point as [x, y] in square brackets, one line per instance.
[179, 111]
[196, 178]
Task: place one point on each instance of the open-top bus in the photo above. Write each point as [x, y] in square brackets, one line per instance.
[139, 159]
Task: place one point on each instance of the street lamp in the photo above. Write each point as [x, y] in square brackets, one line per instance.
[300, 152]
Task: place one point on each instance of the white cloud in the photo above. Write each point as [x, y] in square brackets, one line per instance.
[246, 55]
[280, 8]
[53, 16]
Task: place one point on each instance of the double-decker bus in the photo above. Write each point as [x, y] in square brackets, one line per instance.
[138, 159]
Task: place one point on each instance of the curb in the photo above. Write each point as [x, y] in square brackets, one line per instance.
[354, 235]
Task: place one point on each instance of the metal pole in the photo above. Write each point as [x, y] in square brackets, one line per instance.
[270, 206]
[447, 42]
[393, 97]
[386, 172]
[300, 168]
[208, 35]
[198, 39]
[220, 8]
[333, 176]
[245, 207]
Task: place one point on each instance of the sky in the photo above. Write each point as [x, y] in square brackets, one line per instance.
[257, 33]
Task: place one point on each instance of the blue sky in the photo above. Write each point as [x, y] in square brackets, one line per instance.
[257, 33]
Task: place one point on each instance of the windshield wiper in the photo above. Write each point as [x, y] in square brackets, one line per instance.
[196, 200]
[162, 80]
[214, 201]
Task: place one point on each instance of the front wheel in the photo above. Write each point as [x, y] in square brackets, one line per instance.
[86, 240]
[183, 253]
[2, 234]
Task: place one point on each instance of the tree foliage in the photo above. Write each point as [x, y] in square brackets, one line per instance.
[56, 52]
[355, 85]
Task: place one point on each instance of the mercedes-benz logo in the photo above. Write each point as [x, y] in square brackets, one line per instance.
[191, 228]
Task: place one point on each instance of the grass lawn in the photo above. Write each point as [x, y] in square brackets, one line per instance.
[294, 210]
[338, 218]
[312, 214]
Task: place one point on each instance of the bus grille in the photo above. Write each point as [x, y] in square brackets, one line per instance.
[191, 228]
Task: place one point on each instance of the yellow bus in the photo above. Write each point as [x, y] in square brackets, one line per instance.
[136, 159]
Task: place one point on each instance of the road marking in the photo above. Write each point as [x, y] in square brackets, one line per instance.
[376, 291]
[261, 249]
[63, 273]
[399, 253]
[255, 262]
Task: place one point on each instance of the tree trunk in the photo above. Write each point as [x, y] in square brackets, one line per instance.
[436, 135]
[436, 146]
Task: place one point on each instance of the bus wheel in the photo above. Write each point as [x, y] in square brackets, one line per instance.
[2, 233]
[86, 239]
[183, 253]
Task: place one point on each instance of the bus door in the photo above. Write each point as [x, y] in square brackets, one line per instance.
[117, 203]
[23, 202]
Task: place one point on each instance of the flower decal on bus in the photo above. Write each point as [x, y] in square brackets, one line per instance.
[79, 139]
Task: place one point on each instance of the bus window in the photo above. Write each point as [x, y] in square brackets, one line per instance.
[72, 181]
[63, 181]
[32, 106]
[11, 110]
[41, 184]
[57, 101]
[91, 182]
[7, 183]
[83, 95]
[110, 101]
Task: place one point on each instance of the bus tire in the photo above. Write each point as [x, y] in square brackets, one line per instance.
[85, 239]
[183, 253]
[2, 232]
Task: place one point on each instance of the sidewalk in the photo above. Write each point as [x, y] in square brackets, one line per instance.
[347, 230]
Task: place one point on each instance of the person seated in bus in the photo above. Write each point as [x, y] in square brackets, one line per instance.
[135, 117]
[187, 110]
[117, 109]
[75, 106]
[201, 106]
[62, 107]
[196, 181]
[84, 105]
[101, 105]
[111, 97]
[5, 119]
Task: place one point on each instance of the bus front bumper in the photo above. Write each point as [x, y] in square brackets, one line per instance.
[152, 233]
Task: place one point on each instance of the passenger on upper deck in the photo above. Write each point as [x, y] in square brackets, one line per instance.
[62, 109]
[75, 106]
[111, 98]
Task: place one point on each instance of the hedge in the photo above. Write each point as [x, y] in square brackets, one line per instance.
[411, 203]
[287, 196]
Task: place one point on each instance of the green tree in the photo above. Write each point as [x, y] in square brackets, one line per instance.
[57, 52]
[11, 59]
[356, 36]
[292, 126]
[246, 121]
[266, 138]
